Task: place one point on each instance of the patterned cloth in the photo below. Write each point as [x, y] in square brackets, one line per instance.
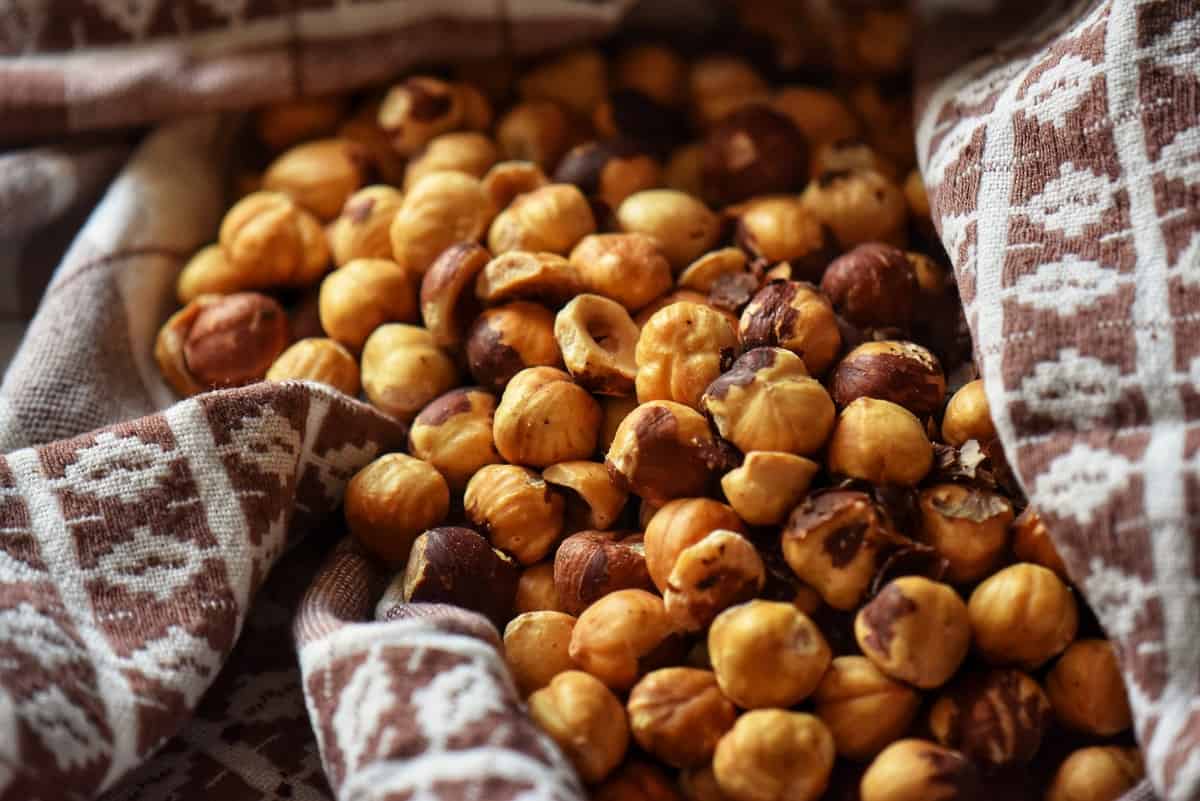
[1061, 145]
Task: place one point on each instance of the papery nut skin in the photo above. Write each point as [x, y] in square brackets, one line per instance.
[592, 564]
[664, 450]
[901, 372]
[751, 152]
[234, 340]
[792, 315]
[454, 565]
[915, 630]
[873, 285]
[996, 718]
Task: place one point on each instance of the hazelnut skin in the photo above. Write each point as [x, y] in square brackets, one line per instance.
[681, 351]
[792, 315]
[363, 295]
[918, 770]
[968, 526]
[627, 268]
[506, 339]
[901, 372]
[931, 276]
[454, 434]
[320, 175]
[654, 70]
[418, 109]
[774, 755]
[362, 230]
[915, 630]
[597, 339]
[753, 151]
[968, 416]
[585, 719]
[820, 115]
[593, 501]
[515, 509]
[439, 210]
[168, 346]
[391, 501]
[535, 590]
[462, 151]
[223, 341]
[880, 442]
[550, 219]
[664, 450]
[592, 564]
[678, 714]
[1031, 543]
[537, 131]
[864, 709]
[872, 286]
[678, 525]
[507, 179]
[1086, 690]
[576, 79]
[768, 485]
[1099, 773]
[996, 718]
[682, 226]
[609, 171]
[320, 360]
[522, 275]
[1023, 615]
[636, 781]
[208, 272]
[535, 648]
[767, 654]
[621, 636]
[402, 370]
[448, 302]
[783, 229]
[270, 241]
[715, 573]
[456, 566]
[544, 417]
[859, 206]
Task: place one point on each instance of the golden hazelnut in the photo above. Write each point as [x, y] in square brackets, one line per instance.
[968, 416]
[859, 206]
[453, 565]
[864, 709]
[678, 525]
[515, 509]
[872, 286]
[621, 636]
[597, 339]
[363, 128]
[535, 648]
[969, 528]
[576, 79]
[703, 274]
[636, 781]
[880, 442]
[878, 41]
[774, 755]
[915, 630]
[550, 219]
[477, 108]
[767, 654]
[520, 274]
[681, 296]
[1031, 543]
[454, 434]
[1099, 773]
[819, 114]
[168, 346]
[1086, 690]
[678, 714]
[654, 70]
[544, 417]
[700, 784]
[682, 226]
[901, 372]
[320, 360]
[363, 295]
[418, 109]
[505, 340]
[918, 770]
[664, 450]
[768, 485]
[931, 276]
[845, 155]
[402, 370]
[792, 315]
[684, 169]
[281, 125]
[535, 590]
[392, 500]
[918, 199]
[996, 718]
[362, 230]
[208, 272]
[319, 175]
[441, 209]
[585, 719]
[609, 171]
[781, 228]
[461, 151]
[535, 130]
[718, 85]
[592, 564]
[720, 570]
[754, 150]
[507, 179]
[270, 241]
[593, 501]
[1023, 615]
[767, 400]
[614, 410]
[681, 350]
[221, 341]
[448, 303]
[627, 268]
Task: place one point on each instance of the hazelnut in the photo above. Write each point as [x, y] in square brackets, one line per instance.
[681, 351]
[362, 230]
[1031, 543]
[997, 718]
[505, 340]
[507, 179]
[918, 770]
[363, 295]
[872, 286]
[320, 360]
[1086, 690]
[593, 501]
[319, 175]
[915, 630]
[208, 272]
[222, 341]
[439, 210]
[457, 566]
[916, 196]
[454, 434]
[678, 714]
[880, 442]
[392, 500]
[654, 70]
[636, 781]
[576, 79]
[537, 131]
[768, 485]
[515, 509]
[700, 784]
[535, 648]
[592, 564]
[684, 169]
[608, 171]
[864, 709]
[281, 125]
[614, 410]
[462, 151]
[767, 400]
[664, 450]
[774, 755]
[703, 274]
[678, 525]
[168, 346]
[858, 206]
[682, 226]
[597, 339]
[767, 654]
[627, 268]
[544, 417]
[820, 115]
[717, 572]
[270, 241]
[621, 636]
[968, 526]
[681, 296]
[718, 85]
[448, 303]
[931, 276]
[901, 372]
[535, 590]
[402, 370]
[752, 151]
[585, 719]
[876, 41]
[968, 416]
[550, 219]
[844, 155]
[792, 315]
[417, 110]
[520, 274]
[477, 109]
[783, 229]
[1099, 773]
[1023, 615]
[363, 129]
[887, 117]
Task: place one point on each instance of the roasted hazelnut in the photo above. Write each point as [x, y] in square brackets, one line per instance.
[505, 340]
[774, 755]
[454, 434]
[535, 648]
[753, 151]
[915, 630]
[636, 781]
[678, 714]
[880, 442]
[208, 272]
[678, 525]
[1023, 615]
[681, 351]
[550, 219]
[270, 241]
[507, 179]
[609, 171]
[901, 372]
[441, 209]
[968, 526]
[918, 770]
[931, 276]
[768, 485]
[844, 155]
[654, 70]
[968, 416]
[858, 206]
[222, 341]
[872, 286]
[402, 370]
[682, 226]
[520, 274]
[717, 572]
[461, 151]
[1031, 543]
[535, 590]
[363, 295]
[627, 268]
[703, 274]
[783, 229]
[448, 302]
[614, 410]
[452, 565]
[515, 509]
[593, 501]
[996, 718]
[1086, 690]
[392, 500]
[718, 85]
[664, 450]
[281, 125]
[621, 636]
[477, 108]
[585, 719]
[363, 129]
[592, 564]
[537, 131]
[767, 654]
[319, 175]
[597, 338]
[864, 709]
[918, 199]
[362, 230]
[700, 784]
[1099, 773]
[887, 117]
[820, 115]
[417, 110]
[792, 315]
[681, 296]
[767, 400]
[544, 417]
[320, 360]
[684, 169]
[168, 346]
[576, 79]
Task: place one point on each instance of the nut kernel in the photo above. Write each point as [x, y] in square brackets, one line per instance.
[320, 175]
[507, 179]
[439, 210]
[878, 441]
[462, 151]
[680, 524]
[402, 370]
[627, 268]
[783, 229]
[788, 314]
[682, 226]
[448, 303]
[537, 131]
[362, 230]
[680, 351]
[621, 636]
[515, 509]
[859, 206]
[720, 570]
[1086, 690]
[995, 718]
[1099, 773]
[505, 340]
[1031, 543]
[454, 434]
[535, 648]
[663, 450]
[593, 501]
[592, 564]
[821, 116]
[317, 359]
[208, 272]
[774, 755]
[768, 485]
[918, 770]
[968, 526]
[549, 219]
[418, 109]
[452, 565]
[864, 709]
[968, 416]
[358, 298]
[703, 274]
[270, 241]
[520, 274]
[1022, 615]
[678, 714]
[544, 418]
[915, 630]
[392, 500]
[585, 719]
[535, 590]
[636, 781]
[901, 372]
[576, 79]
[597, 339]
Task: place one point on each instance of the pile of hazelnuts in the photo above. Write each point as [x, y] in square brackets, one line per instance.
[692, 420]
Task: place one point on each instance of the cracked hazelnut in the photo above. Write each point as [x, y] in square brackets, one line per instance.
[844, 155]
[317, 359]
[1023, 615]
[537, 131]
[208, 272]
[783, 229]
[614, 409]
[918, 770]
[636, 781]
[864, 709]
[703, 274]
[654, 70]
[681, 351]
[418, 109]
[767, 654]
[678, 525]
[391, 501]
[517, 511]
[774, 755]
[358, 298]
[597, 338]
[448, 302]
[222, 341]
[1086, 689]
[550, 219]
[593, 501]
[535, 590]
[505, 340]
[270, 241]
[1099, 773]
[768, 485]
[535, 648]
[683, 170]
[682, 226]
[609, 171]
[664, 450]
[968, 526]
[441, 209]
[678, 714]
[872, 286]
[592, 564]
[968, 416]
[454, 434]
[1031, 543]
[915, 630]
[402, 370]
[622, 636]
[901, 372]
[585, 719]
[362, 230]
[753, 151]
[792, 315]
[718, 85]
[820, 115]
[996, 718]
[507, 179]
[858, 206]
[627, 268]
[319, 175]
[281, 125]
[452, 565]
[461, 151]
[523, 275]
[576, 79]
[544, 417]
[880, 442]
[720, 570]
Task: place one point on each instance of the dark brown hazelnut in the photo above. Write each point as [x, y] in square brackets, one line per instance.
[996, 718]
[753, 151]
[918, 770]
[901, 372]
[417, 110]
[627, 268]
[968, 526]
[872, 286]
[664, 450]
[783, 229]
[608, 171]
[598, 338]
[454, 434]
[591, 564]
[505, 340]
[456, 566]
[915, 630]
[792, 315]
[1099, 773]
[635, 117]
[448, 302]
[859, 206]
[931, 276]
[594, 502]
[1031, 543]
[234, 340]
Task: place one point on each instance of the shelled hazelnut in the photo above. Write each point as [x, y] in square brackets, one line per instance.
[507, 339]
[609, 171]
[859, 206]
[918, 770]
[843, 155]
[319, 175]
[402, 370]
[767, 654]
[678, 714]
[544, 417]
[270, 241]
[524, 275]
[703, 274]
[720, 84]
[968, 416]
[622, 636]
[537, 131]
[753, 151]
[359, 297]
[680, 524]
[454, 434]
[872, 285]
[636, 781]
[864, 709]
[774, 755]
[391, 501]
[684, 168]
[454, 565]
[820, 115]
[1086, 691]
[627, 268]
[915, 630]
[461, 151]
[931, 276]
[968, 526]
[878, 441]
[901, 372]
[317, 359]
[700, 784]
[593, 501]
[535, 590]
[1023, 615]
[680, 351]
[793, 315]
[418, 109]
[597, 338]
[439, 210]
[614, 410]
[515, 510]
[720, 570]
[1031, 543]
[887, 116]
[362, 127]
[507, 179]
[208, 272]
[681, 296]
[1098, 773]
[576, 79]
[682, 226]
[281, 125]
[585, 719]
[664, 450]
[996, 718]
[767, 485]
[448, 302]
[592, 564]
[535, 648]
[654, 70]
[363, 229]
[550, 219]
[781, 228]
